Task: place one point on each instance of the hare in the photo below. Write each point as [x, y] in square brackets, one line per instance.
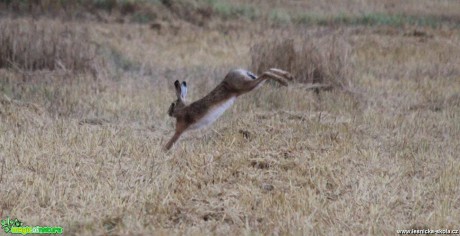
[207, 109]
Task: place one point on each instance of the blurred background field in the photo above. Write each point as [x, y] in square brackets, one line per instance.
[364, 141]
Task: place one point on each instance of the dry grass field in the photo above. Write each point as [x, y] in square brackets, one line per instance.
[83, 117]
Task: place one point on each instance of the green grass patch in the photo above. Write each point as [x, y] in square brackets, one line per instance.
[280, 17]
[143, 17]
[369, 19]
[227, 10]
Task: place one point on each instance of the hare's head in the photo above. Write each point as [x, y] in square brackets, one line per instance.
[181, 92]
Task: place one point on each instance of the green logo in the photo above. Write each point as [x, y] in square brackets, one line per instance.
[16, 227]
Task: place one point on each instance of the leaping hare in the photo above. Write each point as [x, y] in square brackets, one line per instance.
[206, 110]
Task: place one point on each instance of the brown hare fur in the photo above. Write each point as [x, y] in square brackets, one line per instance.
[207, 109]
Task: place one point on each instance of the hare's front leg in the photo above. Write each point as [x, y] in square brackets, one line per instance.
[174, 138]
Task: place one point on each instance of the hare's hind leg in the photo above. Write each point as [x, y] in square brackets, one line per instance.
[247, 84]
[282, 73]
[274, 76]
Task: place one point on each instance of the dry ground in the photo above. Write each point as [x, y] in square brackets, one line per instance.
[82, 149]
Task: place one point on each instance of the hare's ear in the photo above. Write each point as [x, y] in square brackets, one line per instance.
[177, 87]
[183, 88]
